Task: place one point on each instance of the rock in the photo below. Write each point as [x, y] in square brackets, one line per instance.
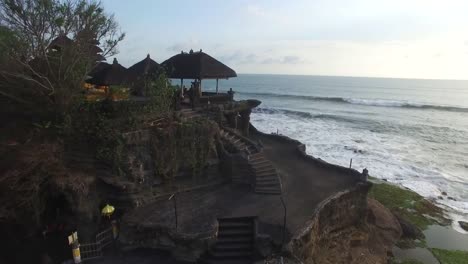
[451, 198]
[444, 193]
[464, 225]
[440, 197]
[409, 230]
[264, 245]
[384, 220]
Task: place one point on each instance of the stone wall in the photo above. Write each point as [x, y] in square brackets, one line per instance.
[343, 210]
[183, 247]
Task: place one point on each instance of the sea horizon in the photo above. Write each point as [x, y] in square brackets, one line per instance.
[412, 132]
[353, 76]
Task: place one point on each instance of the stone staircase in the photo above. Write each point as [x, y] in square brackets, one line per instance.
[235, 243]
[238, 142]
[267, 180]
[190, 113]
[266, 177]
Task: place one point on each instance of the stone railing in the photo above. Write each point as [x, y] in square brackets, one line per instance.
[215, 98]
[338, 212]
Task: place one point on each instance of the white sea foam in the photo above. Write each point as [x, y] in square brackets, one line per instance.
[397, 157]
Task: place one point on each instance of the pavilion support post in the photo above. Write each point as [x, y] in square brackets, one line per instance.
[216, 86]
[182, 84]
[200, 90]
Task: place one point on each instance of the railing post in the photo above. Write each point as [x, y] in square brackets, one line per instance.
[76, 252]
[115, 229]
[284, 220]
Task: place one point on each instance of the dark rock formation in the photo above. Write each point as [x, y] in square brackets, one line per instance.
[409, 230]
[464, 225]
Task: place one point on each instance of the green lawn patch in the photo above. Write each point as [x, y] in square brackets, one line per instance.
[408, 204]
[406, 261]
[450, 256]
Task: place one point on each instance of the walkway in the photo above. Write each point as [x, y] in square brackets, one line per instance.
[305, 185]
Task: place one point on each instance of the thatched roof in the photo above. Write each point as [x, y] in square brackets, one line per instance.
[196, 65]
[60, 42]
[99, 67]
[144, 67]
[115, 74]
[63, 41]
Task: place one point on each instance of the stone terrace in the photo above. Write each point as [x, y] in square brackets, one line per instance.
[305, 184]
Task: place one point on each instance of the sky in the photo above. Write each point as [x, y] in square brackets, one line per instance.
[371, 38]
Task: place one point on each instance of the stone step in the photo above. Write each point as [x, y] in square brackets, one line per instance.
[265, 164]
[267, 181]
[234, 246]
[265, 169]
[232, 254]
[264, 174]
[256, 157]
[268, 191]
[267, 186]
[230, 224]
[252, 149]
[231, 239]
[229, 232]
[259, 162]
[234, 219]
[227, 261]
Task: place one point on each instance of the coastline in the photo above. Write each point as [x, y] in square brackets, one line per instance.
[422, 214]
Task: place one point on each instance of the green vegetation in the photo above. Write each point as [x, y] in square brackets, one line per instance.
[182, 143]
[408, 204]
[406, 261]
[42, 101]
[42, 81]
[420, 212]
[450, 256]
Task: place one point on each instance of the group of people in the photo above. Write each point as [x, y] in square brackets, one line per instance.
[187, 96]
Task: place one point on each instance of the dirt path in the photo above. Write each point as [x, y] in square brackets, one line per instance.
[305, 184]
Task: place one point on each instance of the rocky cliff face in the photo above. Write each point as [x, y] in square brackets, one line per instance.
[348, 228]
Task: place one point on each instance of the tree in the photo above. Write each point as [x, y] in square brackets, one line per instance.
[44, 74]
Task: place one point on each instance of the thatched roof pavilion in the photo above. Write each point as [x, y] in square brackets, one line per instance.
[138, 72]
[142, 68]
[60, 42]
[197, 65]
[115, 74]
[99, 67]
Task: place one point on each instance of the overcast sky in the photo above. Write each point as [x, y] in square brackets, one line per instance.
[375, 38]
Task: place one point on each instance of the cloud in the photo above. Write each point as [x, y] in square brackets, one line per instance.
[290, 59]
[256, 10]
[232, 57]
[249, 59]
[184, 46]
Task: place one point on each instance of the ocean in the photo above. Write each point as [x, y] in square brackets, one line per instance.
[411, 132]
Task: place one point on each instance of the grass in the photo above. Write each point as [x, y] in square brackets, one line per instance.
[450, 256]
[406, 261]
[420, 212]
[408, 204]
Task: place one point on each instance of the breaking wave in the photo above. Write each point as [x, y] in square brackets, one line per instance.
[301, 114]
[369, 102]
